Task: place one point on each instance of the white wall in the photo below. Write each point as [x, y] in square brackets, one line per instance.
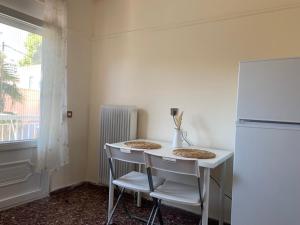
[158, 54]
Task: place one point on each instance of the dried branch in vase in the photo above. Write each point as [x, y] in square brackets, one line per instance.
[178, 120]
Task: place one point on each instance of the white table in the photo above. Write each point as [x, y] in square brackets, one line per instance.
[206, 164]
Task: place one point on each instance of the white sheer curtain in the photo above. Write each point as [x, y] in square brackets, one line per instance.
[53, 151]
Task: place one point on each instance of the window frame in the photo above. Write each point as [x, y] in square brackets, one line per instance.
[20, 17]
[25, 22]
[17, 145]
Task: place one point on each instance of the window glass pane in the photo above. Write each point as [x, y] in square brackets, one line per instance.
[20, 77]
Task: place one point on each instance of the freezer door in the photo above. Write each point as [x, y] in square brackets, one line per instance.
[266, 186]
[270, 90]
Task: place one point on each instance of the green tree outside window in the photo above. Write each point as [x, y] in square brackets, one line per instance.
[33, 44]
[8, 81]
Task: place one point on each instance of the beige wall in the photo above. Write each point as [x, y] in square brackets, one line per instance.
[158, 54]
[80, 25]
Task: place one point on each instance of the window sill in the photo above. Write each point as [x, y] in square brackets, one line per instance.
[18, 145]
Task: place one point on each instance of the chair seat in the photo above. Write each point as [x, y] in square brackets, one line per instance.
[137, 181]
[177, 193]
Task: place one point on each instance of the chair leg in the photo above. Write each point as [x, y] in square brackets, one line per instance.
[126, 210]
[131, 216]
[161, 222]
[156, 211]
[200, 221]
[123, 203]
[154, 215]
[151, 214]
[114, 208]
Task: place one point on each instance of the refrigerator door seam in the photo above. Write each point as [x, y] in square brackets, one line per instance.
[268, 125]
[267, 122]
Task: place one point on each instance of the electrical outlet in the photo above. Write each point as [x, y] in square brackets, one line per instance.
[69, 114]
[174, 111]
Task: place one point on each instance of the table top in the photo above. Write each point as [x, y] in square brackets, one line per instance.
[167, 151]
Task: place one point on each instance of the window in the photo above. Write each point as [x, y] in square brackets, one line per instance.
[20, 77]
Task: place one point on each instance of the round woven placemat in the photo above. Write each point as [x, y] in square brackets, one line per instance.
[142, 145]
[194, 153]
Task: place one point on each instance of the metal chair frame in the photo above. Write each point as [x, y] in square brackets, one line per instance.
[120, 193]
[157, 202]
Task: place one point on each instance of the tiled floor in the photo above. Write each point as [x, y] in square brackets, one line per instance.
[86, 205]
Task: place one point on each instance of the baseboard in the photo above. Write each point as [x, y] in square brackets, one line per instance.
[68, 187]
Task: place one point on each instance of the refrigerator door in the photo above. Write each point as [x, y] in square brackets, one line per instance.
[266, 186]
[270, 90]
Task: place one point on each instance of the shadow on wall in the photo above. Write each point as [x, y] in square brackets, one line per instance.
[201, 131]
[143, 121]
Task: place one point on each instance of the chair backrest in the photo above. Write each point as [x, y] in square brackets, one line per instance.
[173, 165]
[125, 155]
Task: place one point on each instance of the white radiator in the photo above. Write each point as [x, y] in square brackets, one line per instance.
[117, 123]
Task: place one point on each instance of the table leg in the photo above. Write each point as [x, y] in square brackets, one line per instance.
[139, 197]
[222, 194]
[206, 182]
[111, 195]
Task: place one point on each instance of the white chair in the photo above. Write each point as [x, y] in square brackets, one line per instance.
[133, 180]
[172, 191]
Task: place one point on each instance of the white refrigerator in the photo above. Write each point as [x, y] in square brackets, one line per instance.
[266, 184]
